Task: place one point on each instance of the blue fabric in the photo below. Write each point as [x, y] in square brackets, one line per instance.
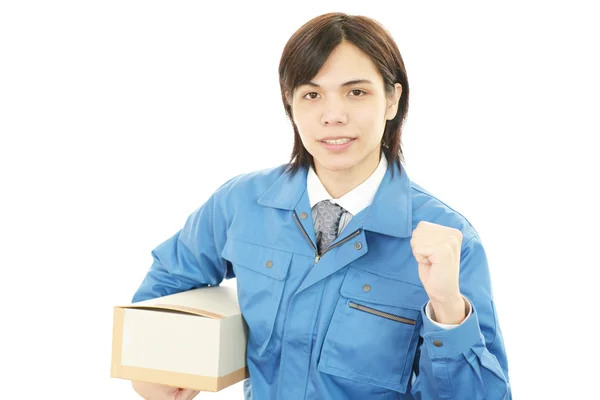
[330, 330]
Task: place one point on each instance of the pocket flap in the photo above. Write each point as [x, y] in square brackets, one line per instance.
[264, 260]
[362, 285]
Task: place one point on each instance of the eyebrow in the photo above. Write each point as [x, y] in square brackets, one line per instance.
[349, 83]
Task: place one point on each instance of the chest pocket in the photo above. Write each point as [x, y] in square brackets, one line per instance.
[374, 330]
[261, 274]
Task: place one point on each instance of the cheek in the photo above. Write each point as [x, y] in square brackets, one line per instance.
[306, 124]
[369, 123]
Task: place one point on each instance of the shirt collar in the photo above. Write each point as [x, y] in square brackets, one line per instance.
[355, 200]
[389, 214]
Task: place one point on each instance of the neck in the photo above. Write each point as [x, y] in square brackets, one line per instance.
[338, 183]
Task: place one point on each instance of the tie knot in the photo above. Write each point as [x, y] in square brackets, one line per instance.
[329, 215]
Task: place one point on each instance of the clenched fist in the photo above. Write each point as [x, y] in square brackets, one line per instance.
[437, 251]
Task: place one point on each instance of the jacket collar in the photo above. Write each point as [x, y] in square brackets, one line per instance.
[390, 213]
[287, 190]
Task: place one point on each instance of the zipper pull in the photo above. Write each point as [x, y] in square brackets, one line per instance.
[317, 258]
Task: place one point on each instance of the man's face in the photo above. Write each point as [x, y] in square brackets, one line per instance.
[346, 101]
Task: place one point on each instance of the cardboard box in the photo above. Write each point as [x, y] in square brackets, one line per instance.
[194, 339]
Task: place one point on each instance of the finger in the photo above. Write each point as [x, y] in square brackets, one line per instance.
[420, 259]
[423, 224]
[422, 252]
[455, 240]
[458, 235]
[186, 394]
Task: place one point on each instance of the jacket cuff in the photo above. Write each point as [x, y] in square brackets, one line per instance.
[442, 342]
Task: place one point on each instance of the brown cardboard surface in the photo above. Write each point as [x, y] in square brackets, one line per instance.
[177, 379]
[173, 307]
[187, 381]
[189, 302]
[119, 316]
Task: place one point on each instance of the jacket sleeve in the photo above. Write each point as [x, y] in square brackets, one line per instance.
[468, 361]
[192, 257]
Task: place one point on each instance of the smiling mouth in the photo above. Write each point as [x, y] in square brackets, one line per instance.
[338, 141]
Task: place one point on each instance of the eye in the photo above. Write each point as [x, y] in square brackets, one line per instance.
[311, 95]
[358, 92]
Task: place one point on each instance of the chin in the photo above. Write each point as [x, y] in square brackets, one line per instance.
[339, 165]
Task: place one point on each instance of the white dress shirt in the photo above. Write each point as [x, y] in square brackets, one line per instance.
[353, 202]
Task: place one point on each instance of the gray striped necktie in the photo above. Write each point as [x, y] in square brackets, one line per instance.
[327, 223]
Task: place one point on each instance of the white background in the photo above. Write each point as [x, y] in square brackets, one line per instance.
[119, 118]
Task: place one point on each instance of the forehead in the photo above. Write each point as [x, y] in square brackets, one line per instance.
[345, 63]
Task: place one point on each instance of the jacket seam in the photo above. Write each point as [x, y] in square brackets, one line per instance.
[476, 235]
[263, 245]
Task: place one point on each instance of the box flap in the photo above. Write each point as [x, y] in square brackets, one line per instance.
[211, 301]
[176, 308]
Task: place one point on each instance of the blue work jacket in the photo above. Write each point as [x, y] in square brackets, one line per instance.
[346, 324]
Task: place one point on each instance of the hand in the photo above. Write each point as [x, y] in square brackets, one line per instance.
[437, 251]
[154, 391]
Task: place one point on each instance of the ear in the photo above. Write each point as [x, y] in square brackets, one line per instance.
[393, 99]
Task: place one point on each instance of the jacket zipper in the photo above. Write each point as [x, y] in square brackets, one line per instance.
[317, 255]
[383, 314]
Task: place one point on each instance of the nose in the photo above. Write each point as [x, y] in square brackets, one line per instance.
[334, 113]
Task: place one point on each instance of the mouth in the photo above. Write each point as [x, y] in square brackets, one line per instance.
[338, 141]
[337, 144]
